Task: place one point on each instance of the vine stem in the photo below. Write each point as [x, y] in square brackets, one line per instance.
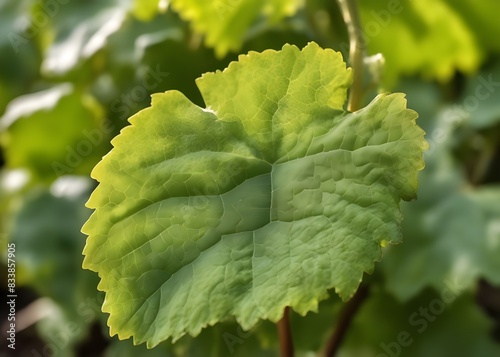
[285, 334]
[346, 317]
[350, 13]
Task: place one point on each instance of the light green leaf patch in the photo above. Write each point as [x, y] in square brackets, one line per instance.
[427, 37]
[224, 23]
[268, 197]
[56, 131]
[146, 10]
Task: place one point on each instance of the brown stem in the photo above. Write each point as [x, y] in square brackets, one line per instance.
[346, 317]
[285, 334]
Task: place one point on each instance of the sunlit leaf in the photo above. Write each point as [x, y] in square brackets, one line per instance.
[419, 37]
[225, 23]
[229, 210]
[146, 10]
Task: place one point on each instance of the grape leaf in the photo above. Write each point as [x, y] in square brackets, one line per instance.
[266, 198]
[225, 22]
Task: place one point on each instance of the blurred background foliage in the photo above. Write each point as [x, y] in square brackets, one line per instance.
[73, 71]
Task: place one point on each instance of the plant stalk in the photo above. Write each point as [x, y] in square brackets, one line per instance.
[285, 335]
[350, 13]
[346, 317]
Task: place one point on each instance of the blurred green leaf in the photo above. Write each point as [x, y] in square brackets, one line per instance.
[482, 18]
[158, 46]
[54, 132]
[446, 234]
[81, 28]
[48, 256]
[487, 199]
[60, 329]
[48, 246]
[225, 23]
[425, 37]
[14, 21]
[20, 57]
[480, 100]
[129, 45]
[146, 10]
[426, 326]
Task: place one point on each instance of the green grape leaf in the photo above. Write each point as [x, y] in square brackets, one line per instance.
[266, 198]
[225, 22]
